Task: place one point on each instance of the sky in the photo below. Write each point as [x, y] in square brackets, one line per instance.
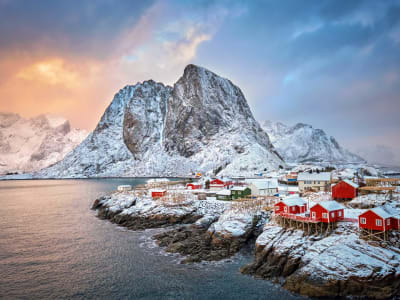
[332, 64]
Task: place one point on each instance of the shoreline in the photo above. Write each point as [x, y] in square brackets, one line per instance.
[301, 264]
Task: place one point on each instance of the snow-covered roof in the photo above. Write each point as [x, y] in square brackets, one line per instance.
[293, 201]
[224, 193]
[239, 188]
[355, 185]
[265, 184]
[330, 205]
[385, 212]
[323, 176]
[158, 190]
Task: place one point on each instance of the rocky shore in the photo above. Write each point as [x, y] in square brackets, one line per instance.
[211, 229]
[337, 265]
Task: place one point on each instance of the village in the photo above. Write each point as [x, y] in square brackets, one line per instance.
[315, 201]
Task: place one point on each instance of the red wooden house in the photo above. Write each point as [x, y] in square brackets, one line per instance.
[327, 211]
[344, 190]
[194, 186]
[218, 183]
[380, 218]
[156, 193]
[291, 205]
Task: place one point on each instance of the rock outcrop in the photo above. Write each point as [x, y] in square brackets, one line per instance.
[214, 230]
[338, 265]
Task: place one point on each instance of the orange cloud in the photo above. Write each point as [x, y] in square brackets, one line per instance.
[80, 88]
[50, 72]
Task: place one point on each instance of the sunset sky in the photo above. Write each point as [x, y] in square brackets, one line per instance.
[332, 64]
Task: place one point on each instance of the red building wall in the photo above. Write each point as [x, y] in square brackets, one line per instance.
[395, 223]
[216, 181]
[370, 218]
[193, 186]
[343, 190]
[334, 216]
[280, 208]
[158, 194]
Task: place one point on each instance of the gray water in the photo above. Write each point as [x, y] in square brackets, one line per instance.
[53, 246]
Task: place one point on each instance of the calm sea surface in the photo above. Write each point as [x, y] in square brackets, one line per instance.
[53, 246]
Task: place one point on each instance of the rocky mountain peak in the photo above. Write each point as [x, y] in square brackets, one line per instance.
[203, 123]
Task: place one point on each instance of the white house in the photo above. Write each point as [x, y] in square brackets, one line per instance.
[264, 187]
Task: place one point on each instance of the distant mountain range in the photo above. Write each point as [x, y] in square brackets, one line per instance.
[28, 145]
[201, 124]
[302, 143]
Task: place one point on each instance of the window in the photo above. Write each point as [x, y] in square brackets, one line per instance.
[363, 220]
[293, 208]
[378, 222]
[285, 208]
[325, 215]
[333, 215]
[277, 208]
[388, 222]
[340, 213]
[313, 214]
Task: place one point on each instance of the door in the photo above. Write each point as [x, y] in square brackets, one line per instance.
[313, 215]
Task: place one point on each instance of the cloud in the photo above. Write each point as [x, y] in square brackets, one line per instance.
[61, 80]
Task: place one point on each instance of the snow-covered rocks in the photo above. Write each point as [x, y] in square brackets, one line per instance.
[336, 265]
[303, 143]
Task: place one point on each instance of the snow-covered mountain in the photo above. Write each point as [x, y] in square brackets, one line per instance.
[302, 143]
[28, 145]
[203, 124]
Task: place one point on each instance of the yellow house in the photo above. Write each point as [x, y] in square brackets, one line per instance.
[314, 181]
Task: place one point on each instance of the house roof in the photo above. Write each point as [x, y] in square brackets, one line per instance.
[239, 188]
[158, 190]
[330, 205]
[293, 201]
[323, 176]
[224, 193]
[385, 212]
[265, 184]
[349, 182]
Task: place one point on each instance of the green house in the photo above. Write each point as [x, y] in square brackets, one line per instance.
[240, 192]
[224, 195]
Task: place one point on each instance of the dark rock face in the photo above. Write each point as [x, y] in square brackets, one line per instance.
[203, 105]
[145, 116]
[199, 244]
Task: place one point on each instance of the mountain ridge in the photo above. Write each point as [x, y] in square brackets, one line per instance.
[202, 123]
[302, 143]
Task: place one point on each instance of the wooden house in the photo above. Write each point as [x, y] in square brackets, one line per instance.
[345, 190]
[327, 211]
[380, 218]
[217, 184]
[314, 181]
[157, 193]
[240, 192]
[264, 187]
[291, 205]
[224, 195]
[194, 186]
